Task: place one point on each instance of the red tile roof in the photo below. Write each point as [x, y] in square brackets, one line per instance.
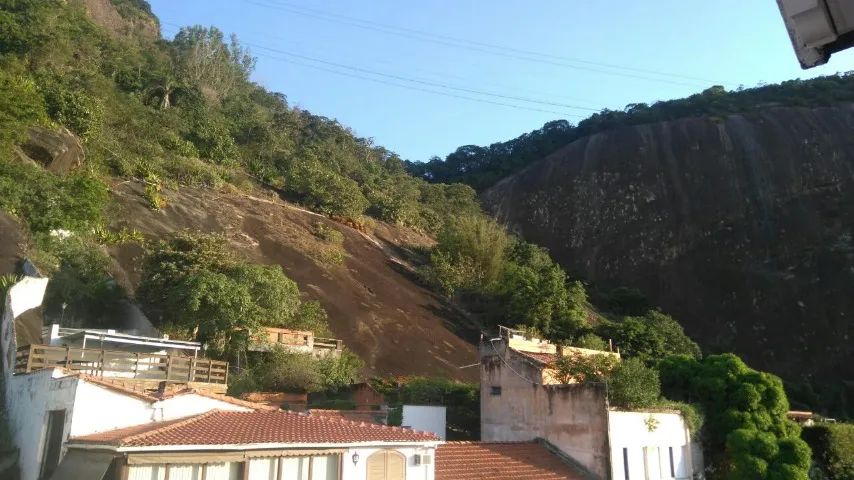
[371, 416]
[540, 358]
[483, 460]
[237, 428]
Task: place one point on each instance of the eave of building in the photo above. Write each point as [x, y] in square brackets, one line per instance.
[123, 338]
[248, 446]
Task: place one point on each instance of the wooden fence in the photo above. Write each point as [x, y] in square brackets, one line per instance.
[124, 365]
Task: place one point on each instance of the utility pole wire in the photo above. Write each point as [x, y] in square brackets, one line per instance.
[482, 47]
[412, 80]
[411, 87]
[423, 82]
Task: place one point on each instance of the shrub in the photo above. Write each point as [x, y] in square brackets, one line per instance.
[47, 201]
[327, 234]
[23, 106]
[576, 367]
[74, 108]
[634, 385]
[341, 371]
[591, 341]
[833, 448]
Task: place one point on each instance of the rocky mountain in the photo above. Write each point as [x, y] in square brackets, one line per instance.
[740, 226]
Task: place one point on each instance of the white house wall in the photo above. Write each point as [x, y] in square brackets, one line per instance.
[425, 418]
[413, 472]
[191, 404]
[30, 399]
[99, 409]
[90, 408]
[634, 431]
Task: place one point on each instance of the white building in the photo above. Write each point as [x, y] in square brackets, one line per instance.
[522, 400]
[261, 445]
[429, 418]
[49, 406]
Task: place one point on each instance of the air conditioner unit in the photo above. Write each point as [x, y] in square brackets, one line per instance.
[422, 459]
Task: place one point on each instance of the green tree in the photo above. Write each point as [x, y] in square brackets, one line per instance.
[634, 385]
[470, 252]
[195, 284]
[579, 368]
[746, 429]
[833, 448]
[650, 337]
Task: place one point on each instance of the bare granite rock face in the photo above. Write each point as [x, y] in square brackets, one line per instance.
[58, 151]
[741, 227]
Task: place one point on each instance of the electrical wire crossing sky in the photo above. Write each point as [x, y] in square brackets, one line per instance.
[423, 78]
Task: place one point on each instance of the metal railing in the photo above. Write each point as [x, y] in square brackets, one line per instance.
[123, 365]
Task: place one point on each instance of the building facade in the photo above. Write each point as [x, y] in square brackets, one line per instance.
[522, 400]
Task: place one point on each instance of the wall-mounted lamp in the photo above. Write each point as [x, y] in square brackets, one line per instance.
[355, 458]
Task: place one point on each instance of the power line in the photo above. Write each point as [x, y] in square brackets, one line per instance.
[286, 4]
[411, 80]
[482, 47]
[411, 87]
[423, 82]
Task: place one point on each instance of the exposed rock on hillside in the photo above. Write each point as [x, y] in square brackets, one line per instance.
[374, 304]
[58, 151]
[741, 227]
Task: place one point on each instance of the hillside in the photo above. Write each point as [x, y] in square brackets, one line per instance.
[395, 325]
[740, 226]
[121, 140]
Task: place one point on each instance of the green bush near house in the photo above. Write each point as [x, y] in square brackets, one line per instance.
[833, 448]
[634, 385]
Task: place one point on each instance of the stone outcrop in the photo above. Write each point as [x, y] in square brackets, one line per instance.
[58, 151]
[741, 227]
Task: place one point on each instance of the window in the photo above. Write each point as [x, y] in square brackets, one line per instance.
[495, 391]
[626, 462]
[319, 467]
[52, 442]
[186, 471]
[672, 464]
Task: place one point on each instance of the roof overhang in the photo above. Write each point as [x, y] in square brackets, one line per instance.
[248, 447]
[126, 339]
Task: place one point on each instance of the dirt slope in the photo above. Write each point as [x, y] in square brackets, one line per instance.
[374, 304]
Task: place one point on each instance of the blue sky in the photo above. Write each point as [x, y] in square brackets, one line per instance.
[561, 53]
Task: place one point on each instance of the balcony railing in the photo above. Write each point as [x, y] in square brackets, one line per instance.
[122, 365]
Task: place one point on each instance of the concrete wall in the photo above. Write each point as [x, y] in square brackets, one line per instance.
[648, 438]
[572, 417]
[30, 398]
[426, 418]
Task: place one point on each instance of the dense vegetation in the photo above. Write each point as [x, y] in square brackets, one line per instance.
[461, 399]
[833, 449]
[746, 431]
[482, 167]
